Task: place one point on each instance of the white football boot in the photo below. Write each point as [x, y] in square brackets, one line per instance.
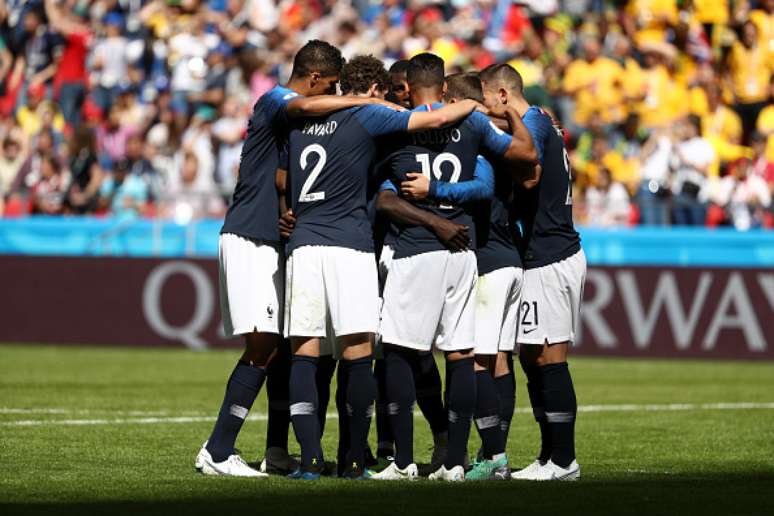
[393, 472]
[233, 466]
[550, 471]
[527, 473]
[456, 474]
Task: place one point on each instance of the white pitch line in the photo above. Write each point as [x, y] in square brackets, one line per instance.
[331, 415]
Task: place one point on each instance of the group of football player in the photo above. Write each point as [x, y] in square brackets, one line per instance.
[368, 230]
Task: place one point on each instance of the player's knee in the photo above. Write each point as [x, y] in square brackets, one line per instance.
[356, 346]
[260, 348]
[553, 354]
[459, 355]
[503, 364]
[484, 362]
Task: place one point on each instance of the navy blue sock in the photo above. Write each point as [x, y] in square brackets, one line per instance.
[506, 390]
[488, 415]
[401, 394]
[429, 394]
[561, 409]
[342, 379]
[326, 368]
[241, 390]
[303, 410]
[361, 394]
[536, 399]
[462, 404]
[277, 386]
[385, 444]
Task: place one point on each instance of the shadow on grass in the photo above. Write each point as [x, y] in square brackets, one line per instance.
[705, 494]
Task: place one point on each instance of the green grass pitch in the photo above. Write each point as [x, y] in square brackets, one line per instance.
[85, 430]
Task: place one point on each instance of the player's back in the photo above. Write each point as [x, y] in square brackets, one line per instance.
[330, 163]
[447, 154]
[549, 235]
[495, 247]
[253, 211]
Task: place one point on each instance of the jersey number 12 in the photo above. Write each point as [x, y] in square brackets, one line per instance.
[444, 157]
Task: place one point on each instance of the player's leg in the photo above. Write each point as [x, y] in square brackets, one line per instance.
[326, 368]
[276, 459]
[353, 296]
[555, 306]
[250, 290]
[457, 325]
[410, 317]
[305, 310]
[304, 405]
[505, 383]
[505, 380]
[430, 402]
[385, 443]
[359, 395]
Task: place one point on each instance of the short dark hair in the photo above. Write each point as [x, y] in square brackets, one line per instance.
[360, 73]
[425, 71]
[503, 75]
[399, 67]
[464, 86]
[317, 56]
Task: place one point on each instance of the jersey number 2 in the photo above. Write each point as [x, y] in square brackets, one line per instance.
[318, 149]
[424, 160]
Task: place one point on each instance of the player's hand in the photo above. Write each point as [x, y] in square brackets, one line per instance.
[387, 103]
[287, 222]
[416, 187]
[452, 235]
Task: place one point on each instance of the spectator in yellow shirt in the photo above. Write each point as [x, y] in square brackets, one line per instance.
[722, 127]
[765, 123]
[651, 19]
[38, 113]
[665, 100]
[595, 83]
[749, 74]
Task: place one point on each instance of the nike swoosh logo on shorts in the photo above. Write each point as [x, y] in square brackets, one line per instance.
[525, 332]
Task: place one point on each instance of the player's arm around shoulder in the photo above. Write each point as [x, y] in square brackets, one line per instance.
[521, 147]
[480, 188]
[322, 105]
[449, 114]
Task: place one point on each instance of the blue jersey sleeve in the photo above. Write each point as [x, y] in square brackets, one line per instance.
[493, 139]
[388, 185]
[538, 124]
[480, 188]
[379, 120]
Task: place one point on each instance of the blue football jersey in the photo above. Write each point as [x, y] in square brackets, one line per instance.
[447, 154]
[254, 210]
[330, 163]
[549, 235]
[495, 247]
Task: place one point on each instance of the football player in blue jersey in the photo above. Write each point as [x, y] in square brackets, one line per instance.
[439, 310]
[554, 274]
[497, 292]
[331, 267]
[428, 379]
[250, 266]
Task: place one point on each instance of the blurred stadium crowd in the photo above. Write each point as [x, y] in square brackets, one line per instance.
[138, 107]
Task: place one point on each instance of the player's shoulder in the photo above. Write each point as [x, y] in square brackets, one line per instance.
[277, 96]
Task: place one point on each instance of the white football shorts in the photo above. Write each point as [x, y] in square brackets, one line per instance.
[251, 285]
[497, 310]
[430, 298]
[334, 286]
[550, 301]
